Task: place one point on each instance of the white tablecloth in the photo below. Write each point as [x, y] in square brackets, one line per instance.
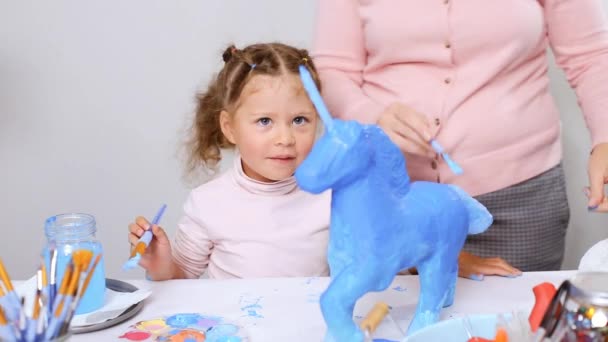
[289, 308]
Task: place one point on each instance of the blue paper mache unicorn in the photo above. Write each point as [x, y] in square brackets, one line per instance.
[381, 223]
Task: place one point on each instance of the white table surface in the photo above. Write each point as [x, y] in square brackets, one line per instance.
[289, 307]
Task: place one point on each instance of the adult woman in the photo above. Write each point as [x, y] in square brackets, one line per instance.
[473, 75]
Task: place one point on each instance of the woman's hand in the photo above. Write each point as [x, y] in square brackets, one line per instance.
[408, 129]
[598, 178]
[474, 267]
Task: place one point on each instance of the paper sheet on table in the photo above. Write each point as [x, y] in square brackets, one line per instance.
[115, 303]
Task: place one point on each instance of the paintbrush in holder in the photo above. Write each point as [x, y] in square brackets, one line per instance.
[51, 314]
[65, 234]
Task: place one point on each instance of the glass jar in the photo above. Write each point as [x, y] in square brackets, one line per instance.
[579, 309]
[71, 232]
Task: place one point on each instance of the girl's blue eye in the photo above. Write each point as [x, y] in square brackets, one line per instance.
[300, 120]
[264, 121]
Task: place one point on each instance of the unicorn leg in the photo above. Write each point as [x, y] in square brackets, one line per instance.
[449, 297]
[339, 252]
[435, 284]
[338, 303]
[337, 258]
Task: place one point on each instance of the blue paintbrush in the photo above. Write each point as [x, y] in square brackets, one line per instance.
[451, 164]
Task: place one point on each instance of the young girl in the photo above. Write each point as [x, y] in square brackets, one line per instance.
[252, 220]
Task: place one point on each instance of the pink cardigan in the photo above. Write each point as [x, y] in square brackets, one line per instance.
[476, 68]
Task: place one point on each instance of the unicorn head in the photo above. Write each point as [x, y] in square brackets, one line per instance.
[337, 158]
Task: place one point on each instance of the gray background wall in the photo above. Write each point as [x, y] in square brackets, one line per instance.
[94, 97]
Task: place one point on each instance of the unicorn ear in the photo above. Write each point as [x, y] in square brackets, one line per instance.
[315, 97]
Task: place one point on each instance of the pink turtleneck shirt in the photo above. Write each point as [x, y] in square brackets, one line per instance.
[476, 68]
[236, 227]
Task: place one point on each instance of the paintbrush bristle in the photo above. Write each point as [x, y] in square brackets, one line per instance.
[87, 256]
[77, 258]
[66, 278]
[74, 281]
[45, 281]
[5, 278]
[87, 280]
[3, 320]
[140, 248]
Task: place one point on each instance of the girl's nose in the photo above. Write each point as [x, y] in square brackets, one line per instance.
[285, 136]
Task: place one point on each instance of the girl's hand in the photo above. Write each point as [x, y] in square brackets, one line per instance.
[157, 260]
[474, 267]
[408, 129]
[598, 177]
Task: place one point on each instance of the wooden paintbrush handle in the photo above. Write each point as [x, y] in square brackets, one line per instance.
[374, 317]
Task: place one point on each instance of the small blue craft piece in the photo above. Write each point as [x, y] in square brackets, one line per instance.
[381, 223]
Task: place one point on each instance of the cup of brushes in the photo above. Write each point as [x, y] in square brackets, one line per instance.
[53, 307]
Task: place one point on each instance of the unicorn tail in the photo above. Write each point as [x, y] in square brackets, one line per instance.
[479, 217]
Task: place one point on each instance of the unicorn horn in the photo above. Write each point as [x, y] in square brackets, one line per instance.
[315, 97]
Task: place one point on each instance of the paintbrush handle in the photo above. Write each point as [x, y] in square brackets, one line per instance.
[58, 305]
[40, 329]
[7, 333]
[11, 304]
[315, 96]
[36, 310]
[435, 145]
[52, 329]
[374, 317]
[456, 169]
[65, 325]
[49, 295]
[53, 267]
[158, 215]
[30, 334]
[57, 321]
[71, 310]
